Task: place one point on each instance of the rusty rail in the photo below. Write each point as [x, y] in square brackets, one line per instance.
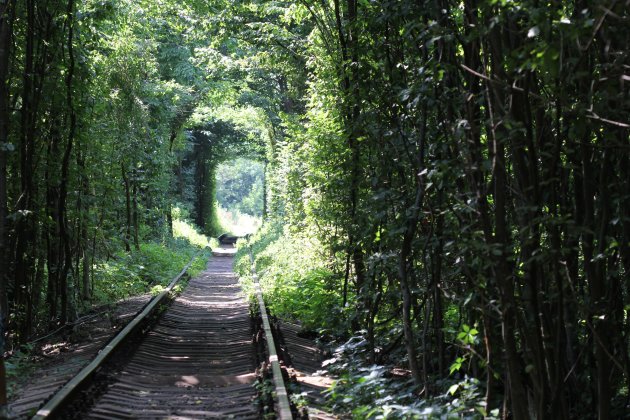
[283, 410]
[57, 402]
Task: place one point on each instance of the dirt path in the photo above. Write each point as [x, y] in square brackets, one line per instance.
[198, 361]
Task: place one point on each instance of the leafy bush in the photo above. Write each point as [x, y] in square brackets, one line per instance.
[133, 273]
[296, 283]
[154, 264]
[18, 366]
[182, 229]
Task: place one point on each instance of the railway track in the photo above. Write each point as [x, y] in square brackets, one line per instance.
[54, 374]
[197, 361]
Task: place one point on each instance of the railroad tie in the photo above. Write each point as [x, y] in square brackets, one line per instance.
[197, 362]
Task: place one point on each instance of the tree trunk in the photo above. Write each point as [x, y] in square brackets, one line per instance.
[136, 227]
[54, 246]
[6, 14]
[201, 172]
[405, 261]
[25, 225]
[83, 210]
[127, 208]
[71, 122]
[403, 278]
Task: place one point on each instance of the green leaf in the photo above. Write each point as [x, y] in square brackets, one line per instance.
[453, 389]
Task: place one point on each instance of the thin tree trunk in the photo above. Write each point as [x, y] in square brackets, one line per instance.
[83, 210]
[405, 261]
[6, 7]
[24, 229]
[6, 14]
[54, 245]
[71, 122]
[505, 282]
[405, 289]
[127, 208]
[136, 227]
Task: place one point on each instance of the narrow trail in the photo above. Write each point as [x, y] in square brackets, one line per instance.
[197, 362]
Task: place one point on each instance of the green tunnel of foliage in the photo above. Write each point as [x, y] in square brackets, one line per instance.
[453, 194]
[445, 191]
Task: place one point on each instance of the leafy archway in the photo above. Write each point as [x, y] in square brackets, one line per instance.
[458, 171]
[236, 133]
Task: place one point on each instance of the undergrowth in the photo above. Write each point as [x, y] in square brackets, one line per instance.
[153, 265]
[365, 390]
[136, 272]
[299, 285]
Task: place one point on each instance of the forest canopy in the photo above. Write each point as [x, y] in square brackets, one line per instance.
[446, 184]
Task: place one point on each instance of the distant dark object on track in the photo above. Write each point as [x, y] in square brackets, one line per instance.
[227, 239]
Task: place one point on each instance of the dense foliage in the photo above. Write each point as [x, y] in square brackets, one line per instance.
[463, 168]
[446, 183]
[109, 127]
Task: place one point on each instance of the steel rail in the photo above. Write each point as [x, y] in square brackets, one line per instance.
[56, 404]
[283, 410]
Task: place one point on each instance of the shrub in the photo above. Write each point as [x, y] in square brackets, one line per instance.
[154, 264]
[296, 282]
